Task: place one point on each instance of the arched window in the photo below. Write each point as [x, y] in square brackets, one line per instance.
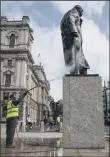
[8, 80]
[5, 95]
[12, 40]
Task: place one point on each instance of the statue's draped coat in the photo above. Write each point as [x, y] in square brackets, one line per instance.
[72, 46]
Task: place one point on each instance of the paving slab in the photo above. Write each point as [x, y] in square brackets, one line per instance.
[96, 154]
[49, 148]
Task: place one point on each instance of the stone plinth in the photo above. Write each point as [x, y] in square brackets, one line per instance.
[83, 119]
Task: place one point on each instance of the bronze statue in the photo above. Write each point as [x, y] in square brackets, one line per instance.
[72, 41]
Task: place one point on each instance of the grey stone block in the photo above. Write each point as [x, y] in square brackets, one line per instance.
[83, 119]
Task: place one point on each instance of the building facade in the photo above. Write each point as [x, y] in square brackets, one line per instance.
[19, 72]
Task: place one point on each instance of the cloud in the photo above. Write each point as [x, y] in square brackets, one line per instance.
[91, 7]
[49, 44]
[107, 33]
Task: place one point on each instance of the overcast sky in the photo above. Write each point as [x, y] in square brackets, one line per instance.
[45, 20]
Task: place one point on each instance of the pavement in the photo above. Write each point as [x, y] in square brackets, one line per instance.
[47, 144]
[50, 151]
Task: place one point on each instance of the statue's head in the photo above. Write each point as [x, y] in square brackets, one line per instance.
[79, 9]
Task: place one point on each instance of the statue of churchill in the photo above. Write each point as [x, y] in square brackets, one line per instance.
[72, 41]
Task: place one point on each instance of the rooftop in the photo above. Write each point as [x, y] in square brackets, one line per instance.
[16, 23]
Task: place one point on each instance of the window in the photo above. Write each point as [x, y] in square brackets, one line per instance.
[9, 62]
[8, 80]
[6, 95]
[28, 41]
[12, 41]
[4, 111]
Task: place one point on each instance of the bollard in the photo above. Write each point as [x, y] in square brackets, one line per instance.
[42, 126]
[61, 126]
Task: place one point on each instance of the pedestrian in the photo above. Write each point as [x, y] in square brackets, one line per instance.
[45, 121]
[29, 122]
[51, 122]
[12, 118]
[58, 123]
[58, 119]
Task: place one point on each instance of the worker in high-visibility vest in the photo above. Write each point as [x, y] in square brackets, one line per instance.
[58, 123]
[12, 118]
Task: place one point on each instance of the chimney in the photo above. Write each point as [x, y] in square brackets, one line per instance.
[4, 19]
[25, 19]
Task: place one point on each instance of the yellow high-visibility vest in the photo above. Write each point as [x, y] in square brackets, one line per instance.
[12, 111]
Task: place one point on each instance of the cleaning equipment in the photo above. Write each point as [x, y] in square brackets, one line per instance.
[30, 142]
[13, 111]
[33, 88]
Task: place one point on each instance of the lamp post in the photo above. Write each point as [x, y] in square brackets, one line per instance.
[105, 101]
[105, 98]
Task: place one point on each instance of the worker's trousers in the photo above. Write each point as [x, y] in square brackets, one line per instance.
[11, 124]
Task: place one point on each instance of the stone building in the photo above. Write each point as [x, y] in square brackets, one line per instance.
[19, 72]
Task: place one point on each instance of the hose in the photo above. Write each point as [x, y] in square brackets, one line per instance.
[33, 88]
[31, 144]
[26, 143]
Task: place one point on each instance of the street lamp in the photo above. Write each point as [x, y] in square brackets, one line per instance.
[105, 98]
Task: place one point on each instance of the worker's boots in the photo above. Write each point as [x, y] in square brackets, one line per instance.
[10, 146]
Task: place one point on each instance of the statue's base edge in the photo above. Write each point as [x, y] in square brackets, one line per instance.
[88, 75]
